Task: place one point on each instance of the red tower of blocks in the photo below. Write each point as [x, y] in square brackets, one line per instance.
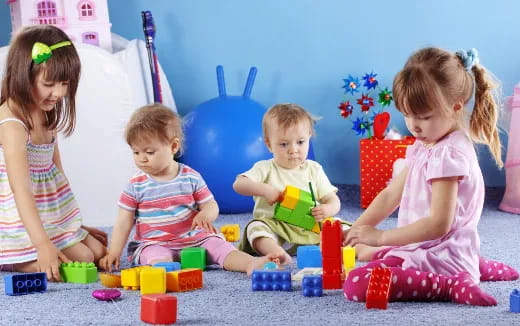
[378, 289]
[331, 254]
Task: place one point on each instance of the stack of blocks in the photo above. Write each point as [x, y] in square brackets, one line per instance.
[19, 284]
[295, 208]
[77, 272]
[331, 238]
[378, 289]
[155, 280]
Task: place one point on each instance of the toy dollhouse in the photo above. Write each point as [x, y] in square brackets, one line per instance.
[85, 21]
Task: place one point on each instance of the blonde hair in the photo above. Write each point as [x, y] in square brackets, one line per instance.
[155, 121]
[19, 80]
[285, 116]
[434, 79]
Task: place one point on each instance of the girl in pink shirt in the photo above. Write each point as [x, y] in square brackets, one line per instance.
[434, 251]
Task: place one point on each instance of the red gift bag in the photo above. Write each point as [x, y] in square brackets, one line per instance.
[377, 157]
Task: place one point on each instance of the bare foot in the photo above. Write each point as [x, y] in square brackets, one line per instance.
[259, 262]
[365, 253]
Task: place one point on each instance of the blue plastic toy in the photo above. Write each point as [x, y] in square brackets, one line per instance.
[312, 286]
[514, 301]
[28, 283]
[271, 280]
[223, 139]
[308, 256]
[169, 266]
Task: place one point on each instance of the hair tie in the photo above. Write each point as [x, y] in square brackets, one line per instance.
[41, 52]
[469, 58]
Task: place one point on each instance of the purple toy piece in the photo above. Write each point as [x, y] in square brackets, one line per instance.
[106, 294]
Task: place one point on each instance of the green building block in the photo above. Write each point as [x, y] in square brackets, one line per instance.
[281, 213]
[77, 272]
[193, 258]
[304, 205]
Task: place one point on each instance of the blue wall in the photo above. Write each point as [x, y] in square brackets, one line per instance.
[303, 49]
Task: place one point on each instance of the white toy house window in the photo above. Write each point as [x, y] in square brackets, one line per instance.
[87, 10]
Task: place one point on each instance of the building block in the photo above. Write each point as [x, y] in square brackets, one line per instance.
[110, 280]
[514, 301]
[184, 280]
[194, 257]
[131, 277]
[378, 289]
[153, 280]
[78, 272]
[308, 256]
[291, 195]
[312, 286]
[231, 232]
[295, 208]
[349, 257]
[27, 283]
[158, 309]
[331, 255]
[169, 266]
[271, 280]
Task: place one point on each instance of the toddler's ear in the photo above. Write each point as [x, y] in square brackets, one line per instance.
[176, 145]
[268, 144]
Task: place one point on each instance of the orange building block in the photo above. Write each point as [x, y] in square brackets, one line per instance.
[110, 280]
[184, 280]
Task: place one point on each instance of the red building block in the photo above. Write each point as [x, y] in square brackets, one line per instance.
[158, 309]
[331, 255]
[378, 289]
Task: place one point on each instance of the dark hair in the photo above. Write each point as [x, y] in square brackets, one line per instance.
[19, 80]
[155, 121]
[434, 79]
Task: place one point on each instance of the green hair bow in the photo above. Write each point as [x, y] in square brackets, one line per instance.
[41, 52]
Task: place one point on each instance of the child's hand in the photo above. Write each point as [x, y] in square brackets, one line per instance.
[110, 259]
[364, 234]
[49, 260]
[321, 212]
[271, 194]
[202, 221]
[101, 236]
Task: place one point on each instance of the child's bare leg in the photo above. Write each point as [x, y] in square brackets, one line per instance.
[79, 252]
[265, 246]
[365, 253]
[28, 267]
[97, 248]
[239, 261]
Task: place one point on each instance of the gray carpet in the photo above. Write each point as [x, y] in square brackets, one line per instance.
[227, 299]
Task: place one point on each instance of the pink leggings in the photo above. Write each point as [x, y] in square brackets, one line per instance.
[217, 250]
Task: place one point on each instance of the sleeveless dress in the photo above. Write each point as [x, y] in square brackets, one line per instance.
[55, 201]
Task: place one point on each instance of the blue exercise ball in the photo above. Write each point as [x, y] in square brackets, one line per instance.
[224, 139]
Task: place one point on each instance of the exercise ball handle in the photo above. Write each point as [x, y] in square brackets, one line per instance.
[221, 82]
[250, 82]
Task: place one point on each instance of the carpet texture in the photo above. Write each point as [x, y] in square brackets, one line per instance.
[227, 299]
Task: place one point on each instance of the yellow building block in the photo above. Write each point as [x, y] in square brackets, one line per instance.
[349, 257]
[316, 228]
[153, 281]
[130, 277]
[291, 196]
[231, 232]
[184, 280]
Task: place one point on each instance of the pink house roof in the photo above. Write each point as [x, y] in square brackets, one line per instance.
[10, 1]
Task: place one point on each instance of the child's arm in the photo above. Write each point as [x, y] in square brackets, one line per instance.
[247, 187]
[438, 224]
[14, 138]
[330, 205]
[122, 229]
[206, 216]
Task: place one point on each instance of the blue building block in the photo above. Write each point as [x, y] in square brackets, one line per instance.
[271, 280]
[308, 256]
[28, 283]
[312, 286]
[514, 301]
[169, 266]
